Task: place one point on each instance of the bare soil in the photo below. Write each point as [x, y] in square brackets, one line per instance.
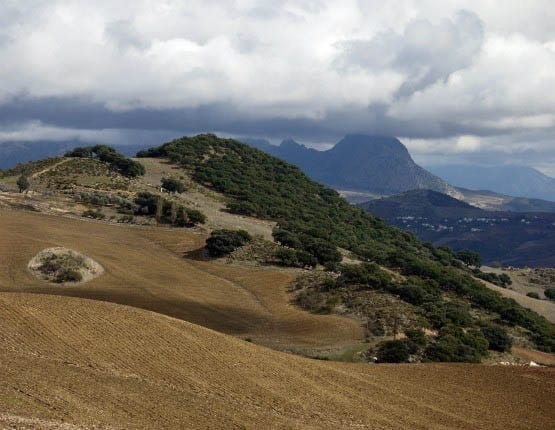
[71, 363]
[157, 269]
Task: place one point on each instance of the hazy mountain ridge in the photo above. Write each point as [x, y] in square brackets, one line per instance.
[378, 164]
[512, 180]
[492, 201]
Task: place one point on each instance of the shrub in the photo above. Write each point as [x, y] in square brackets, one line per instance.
[147, 203]
[125, 166]
[497, 337]
[286, 238]
[393, 351]
[306, 259]
[533, 295]
[416, 340]
[195, 216]
[23, 183]
[223, 242]
[166, 211]
[172, 185]
[454, 344]
[550, 293]
[62, 268]
[505, 279]
[68, 275]
[94, 214]
[470, 258]
[501, 280]
[287, 257]
[324, 251]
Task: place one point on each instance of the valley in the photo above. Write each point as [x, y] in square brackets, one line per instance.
[510, 238]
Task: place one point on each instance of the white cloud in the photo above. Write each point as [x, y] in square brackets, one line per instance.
[425, 53]
[489, 70]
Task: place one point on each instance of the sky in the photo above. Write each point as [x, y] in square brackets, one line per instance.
[457, 81]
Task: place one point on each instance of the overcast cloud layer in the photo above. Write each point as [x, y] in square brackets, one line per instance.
[455, 80]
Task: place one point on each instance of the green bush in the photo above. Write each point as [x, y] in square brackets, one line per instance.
[455, 345]
[497, 337]
[470, 258]
[550, 293]
[195, 216]
[62, 268]
[286, 238]
[533, 295]
[147, 203]
[125, 166]
[166, 211]
[172, 185]
[393, 351]
[23, 183]
[416, 340]
[223, 242]
[505, 279]
[68, 275]
[501, 280]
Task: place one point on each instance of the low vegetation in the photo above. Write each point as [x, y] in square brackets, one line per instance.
[501, 280]
[144, 204]
[172, 185]
[27, 169]
[224, 242]
[470, 258]
[23, 183]
[167, 211]
[61, 266]
[123, 165]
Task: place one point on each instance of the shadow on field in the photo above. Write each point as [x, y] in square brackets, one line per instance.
[225, 319]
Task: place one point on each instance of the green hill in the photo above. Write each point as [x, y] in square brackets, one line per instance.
[314, 220]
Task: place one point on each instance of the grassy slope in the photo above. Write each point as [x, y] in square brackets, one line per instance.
[88, 362]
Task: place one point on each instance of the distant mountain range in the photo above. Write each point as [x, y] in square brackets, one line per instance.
[13, 153]
[512, 238]
[488, 200]
[375, 164]
[517, 181]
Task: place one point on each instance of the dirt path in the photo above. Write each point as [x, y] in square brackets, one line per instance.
[49, 168]
[70, 363]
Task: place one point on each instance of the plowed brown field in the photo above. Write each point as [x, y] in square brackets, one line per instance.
[148, 268]
[68, 362]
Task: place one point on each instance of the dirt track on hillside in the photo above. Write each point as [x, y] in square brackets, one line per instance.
[68, 362]
[148, 268]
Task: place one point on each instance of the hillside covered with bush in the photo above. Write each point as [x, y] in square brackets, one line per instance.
[314, 220]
